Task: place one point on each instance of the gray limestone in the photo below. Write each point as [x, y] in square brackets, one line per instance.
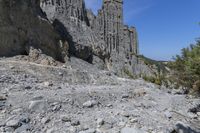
[23, 25]
[121, 41]
[70, 19]
[123, 104]
[104, 36]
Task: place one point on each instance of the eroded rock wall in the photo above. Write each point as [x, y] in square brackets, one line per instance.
[71, 15]
[23, 25]
[121, 40]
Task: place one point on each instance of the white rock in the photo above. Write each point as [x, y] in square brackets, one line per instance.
[13, 123]
[100, 122]
[168, 114]
[45, 120]
[47, 84]
[198, 113]
[131, 130]
[12, 67]
[38, 106]
[65, 118]
[89, 104]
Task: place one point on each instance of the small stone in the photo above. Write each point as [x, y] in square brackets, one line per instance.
[12, 67]
[133, 120]
[168, 114]
[47, 84]
[198, 113]
[13, 123]
[125, 114]
[23, 129]
[89, 104]
[24, 119]
[121, 124]
[57, 107]
[100, 122]
[192, 115]
[7, 130]
[109, 105]
[124, 96]
[38, 106]
[60, 74]
[37, 98]
[45, 120]
[3, 98]
[27, 87]
[64, 66]
[75, 123]
[66, 119]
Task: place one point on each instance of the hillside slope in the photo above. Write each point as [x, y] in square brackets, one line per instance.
[36, 98]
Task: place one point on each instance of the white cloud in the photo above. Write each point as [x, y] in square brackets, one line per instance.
[134, 8]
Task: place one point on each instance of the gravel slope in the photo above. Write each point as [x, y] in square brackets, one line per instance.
[65, 99]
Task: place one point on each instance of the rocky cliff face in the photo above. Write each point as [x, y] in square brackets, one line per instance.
[23, 26]
[51, 25]
[101, 39]
[72, 16]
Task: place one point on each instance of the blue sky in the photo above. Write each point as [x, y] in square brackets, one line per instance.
[164, 26]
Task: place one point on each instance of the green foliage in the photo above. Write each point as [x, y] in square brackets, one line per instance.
[152, 79]
[187, 67]
[161, 68]
[158, 79]
[159, 76]
[129, 74]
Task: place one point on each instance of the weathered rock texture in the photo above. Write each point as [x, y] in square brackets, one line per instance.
[121, 41]
[72, 16]
[45, 25]
[93, 38]
[23, 25]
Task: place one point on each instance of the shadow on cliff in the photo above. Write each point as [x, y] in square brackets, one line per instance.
[75, 49]
[62, 31]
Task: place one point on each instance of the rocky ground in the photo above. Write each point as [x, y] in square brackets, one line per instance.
[77, 98]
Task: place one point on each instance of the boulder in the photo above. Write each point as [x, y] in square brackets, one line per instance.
[23, 25]
[184, 128]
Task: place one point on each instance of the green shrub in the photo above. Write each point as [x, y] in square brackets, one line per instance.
[129, 74]
[186, 67]
[153, 79]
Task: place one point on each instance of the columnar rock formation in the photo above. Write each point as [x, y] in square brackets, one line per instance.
[102, 40]
[121, 41]
[70, 18]
[110, 24]
[70, 9]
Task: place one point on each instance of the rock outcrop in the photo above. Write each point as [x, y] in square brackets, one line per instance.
[103, 36]
[59, 27]
[24, 26]
[71, 15]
